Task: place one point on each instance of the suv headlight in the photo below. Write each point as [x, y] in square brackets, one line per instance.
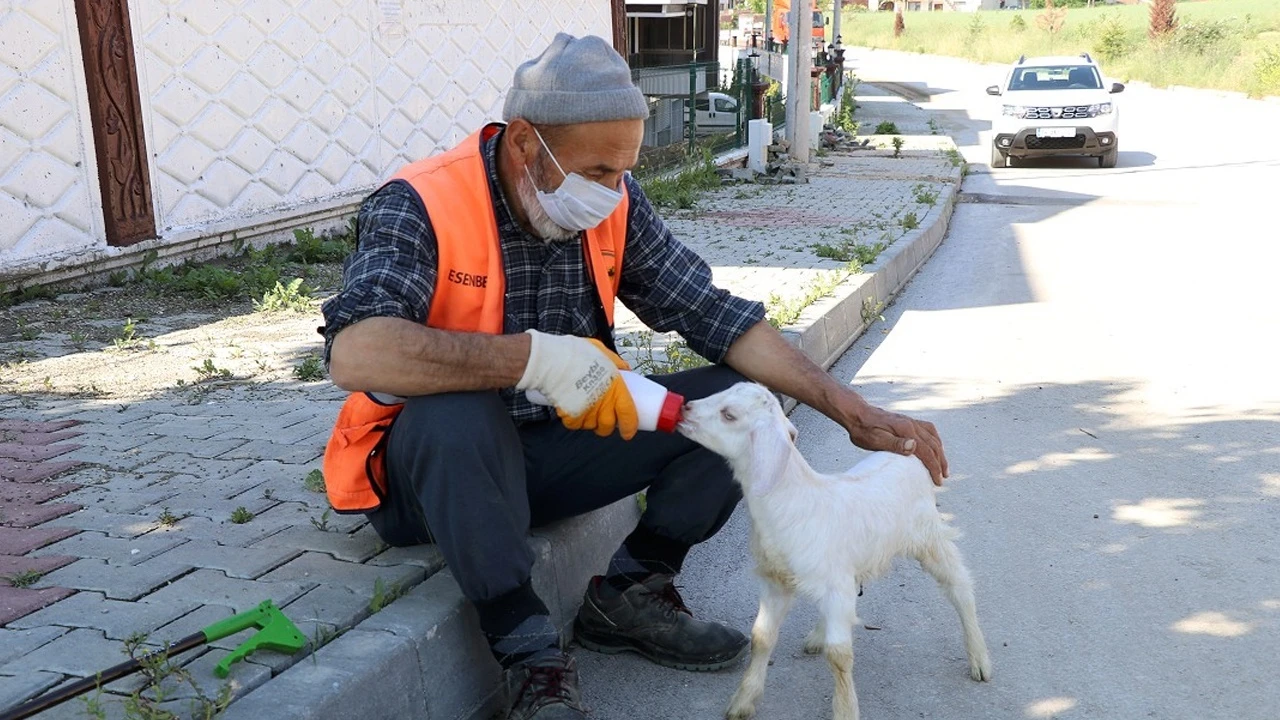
[1017, 111]
[1099, 109]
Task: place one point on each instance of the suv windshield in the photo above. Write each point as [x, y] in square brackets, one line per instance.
[1058, 77]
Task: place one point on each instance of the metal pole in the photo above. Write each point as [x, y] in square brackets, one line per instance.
[835, 23]
[768, 26]
[693, 109]
[798, 94]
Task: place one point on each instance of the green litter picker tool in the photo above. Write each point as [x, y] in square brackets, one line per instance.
[275, 632]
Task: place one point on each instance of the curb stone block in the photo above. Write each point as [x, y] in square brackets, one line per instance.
[325, 689]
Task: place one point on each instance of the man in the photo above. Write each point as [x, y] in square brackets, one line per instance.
[492, 269]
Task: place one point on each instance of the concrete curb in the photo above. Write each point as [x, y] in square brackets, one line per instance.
[826, 329]
[423, 656]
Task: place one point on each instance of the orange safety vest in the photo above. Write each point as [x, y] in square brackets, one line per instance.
[469, 293]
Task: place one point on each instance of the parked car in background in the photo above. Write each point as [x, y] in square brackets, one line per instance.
[1055, 106]
[715, 113]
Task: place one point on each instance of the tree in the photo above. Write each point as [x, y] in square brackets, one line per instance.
[898, 25]
[1164, 20]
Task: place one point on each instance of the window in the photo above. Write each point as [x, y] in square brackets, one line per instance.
[1062, 77]
[702, 105]
[726, 106]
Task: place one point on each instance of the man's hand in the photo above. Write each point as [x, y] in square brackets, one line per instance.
[579, 377]
[876, 429]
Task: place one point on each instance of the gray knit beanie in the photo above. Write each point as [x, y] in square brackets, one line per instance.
[575, 80]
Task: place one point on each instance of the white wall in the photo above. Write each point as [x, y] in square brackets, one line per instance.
[258, 110]
[48, 179]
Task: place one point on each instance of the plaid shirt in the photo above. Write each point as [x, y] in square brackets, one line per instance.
[392, 273]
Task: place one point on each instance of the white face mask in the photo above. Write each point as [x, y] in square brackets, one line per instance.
[578, 204]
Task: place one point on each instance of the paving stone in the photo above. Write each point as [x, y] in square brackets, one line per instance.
[237, 562]
[299, 452]
[116, 619]
[30, 472]
[110, 707]
[27, 515]
[118, 582]
[188, 428]
[11, 565]
[333, 605]
[427, 557]
[20, 541]
[243, 678]
[220, 488]
[14, 643]
[113, 524]
[28, 426]
[79, 652]
[34, 453]
[37, 438]
[316, 517]
[33, 492]
[115, 480]
[111, 441]
[281, 435]
[320, 568]
[206, 470]
[212, 504]
[117, 550]
[213, 587]
[132, 502]
[221, 531]
[126, 460]
[24, 686]
[355, 547]
[203, 449]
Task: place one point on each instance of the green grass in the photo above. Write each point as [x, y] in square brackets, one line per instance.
[1221, 44]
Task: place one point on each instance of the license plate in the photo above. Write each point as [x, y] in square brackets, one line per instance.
[1058, 132]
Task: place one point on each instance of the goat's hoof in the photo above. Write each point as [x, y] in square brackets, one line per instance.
[814, 647]
[980, 669]
[739, 713]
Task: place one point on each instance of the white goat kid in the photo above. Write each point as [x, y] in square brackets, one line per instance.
[824, 535]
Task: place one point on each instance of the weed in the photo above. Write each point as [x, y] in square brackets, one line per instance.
[933, 126]
[384, 595]
[848, 106]
[886, 128]
[321, 636]
[168, 519]
[924, 195]
[311, 368]
[208, 371]
[1113, 40]
[268, 494]
[909, 221]
[118, 278]
[976, 27]
[871, 309]
[146, 702]
[128, 338]
[1018, 24]
[1267, 71]
[24, 579]
[897, 146]
[682, 190]
[675, 356]
[79, 339]
[314, 481]
[954, 157]
[26, 331]
[294, 296]
[308, 249]
[241, 515]
[782, 312]
[323, 523]
[36, 292]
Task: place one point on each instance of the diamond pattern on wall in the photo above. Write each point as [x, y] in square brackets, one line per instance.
[322, 98]
[44, 171]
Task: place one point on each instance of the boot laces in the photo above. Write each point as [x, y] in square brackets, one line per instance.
[669, 597]
[547, 682]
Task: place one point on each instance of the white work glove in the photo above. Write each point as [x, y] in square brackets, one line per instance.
[579, 377]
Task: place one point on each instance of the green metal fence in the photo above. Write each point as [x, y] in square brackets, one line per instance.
[692, 109]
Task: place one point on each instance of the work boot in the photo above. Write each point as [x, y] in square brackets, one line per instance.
[651, 619]
[546, 689]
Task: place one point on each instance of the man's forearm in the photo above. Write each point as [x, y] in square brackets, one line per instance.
[400, 357]
[763, 355]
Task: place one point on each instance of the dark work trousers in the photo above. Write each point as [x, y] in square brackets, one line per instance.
[462, 475]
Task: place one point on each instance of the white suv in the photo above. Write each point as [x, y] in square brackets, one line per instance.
[1055, 106]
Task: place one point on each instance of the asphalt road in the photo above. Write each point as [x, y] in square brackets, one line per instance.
[1098, 349]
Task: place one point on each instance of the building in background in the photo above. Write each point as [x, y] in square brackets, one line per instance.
[175, 126]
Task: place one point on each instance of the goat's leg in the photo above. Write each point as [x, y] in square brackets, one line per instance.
[839, 614]
[943, 561]
[816, 640]
[775, 601]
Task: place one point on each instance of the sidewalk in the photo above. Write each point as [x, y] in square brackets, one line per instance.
[132, 503]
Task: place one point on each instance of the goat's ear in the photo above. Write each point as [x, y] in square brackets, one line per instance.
[770, 452]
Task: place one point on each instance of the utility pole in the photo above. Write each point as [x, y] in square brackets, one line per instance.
[835, 23]
[798, 62]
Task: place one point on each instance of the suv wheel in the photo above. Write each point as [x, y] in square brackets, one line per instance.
[1109, 158]
[998, 158]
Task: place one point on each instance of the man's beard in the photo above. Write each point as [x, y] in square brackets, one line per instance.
[541, 223]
